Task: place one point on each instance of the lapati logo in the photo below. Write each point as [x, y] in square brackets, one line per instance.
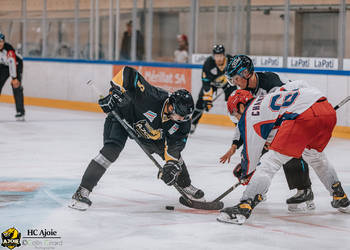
[11, 238]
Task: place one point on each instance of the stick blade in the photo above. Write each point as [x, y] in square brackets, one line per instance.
[214, 205]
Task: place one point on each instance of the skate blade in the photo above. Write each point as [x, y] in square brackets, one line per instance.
[77, 205]
[20, 119]
[344, 209]
[225, 218]
[303, 207]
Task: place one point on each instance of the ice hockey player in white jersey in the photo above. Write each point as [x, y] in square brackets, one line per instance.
[294, 123]
[240, 72]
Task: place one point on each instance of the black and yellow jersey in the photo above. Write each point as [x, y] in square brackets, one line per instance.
[212, 74]
[144, 109]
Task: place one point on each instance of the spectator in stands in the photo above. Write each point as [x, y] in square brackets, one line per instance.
[125, 51]
[181, 53]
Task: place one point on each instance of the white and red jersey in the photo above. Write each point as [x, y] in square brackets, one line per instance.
[8, 58]
[265, 114]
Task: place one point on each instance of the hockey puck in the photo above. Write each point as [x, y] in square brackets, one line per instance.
[169, 207]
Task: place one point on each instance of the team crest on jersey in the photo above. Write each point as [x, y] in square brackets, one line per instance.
[214, 71]
[173, 129]
[150, 115]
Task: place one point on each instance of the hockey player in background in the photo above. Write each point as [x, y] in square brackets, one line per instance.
[11, 65]
[213, 77]
[294, 123]
[240, 72]
[162, 121]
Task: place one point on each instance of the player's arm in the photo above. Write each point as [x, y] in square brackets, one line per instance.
[253, 144]
[128, 79]
[11, 59]
[174, 144]
[176, 141]
[236, 143]
[298, 84]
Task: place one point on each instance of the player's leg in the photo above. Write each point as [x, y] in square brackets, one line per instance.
[184, 181]
[198, 111]
[18, 95]
[270, 163]
[323, 124]
[326, 173]
[114, 137]
[297, 175]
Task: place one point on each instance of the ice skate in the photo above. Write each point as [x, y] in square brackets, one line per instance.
[340, 200]
[194, 193]
[80, 199]
[239, 213]
[19, 116]
[302, 201]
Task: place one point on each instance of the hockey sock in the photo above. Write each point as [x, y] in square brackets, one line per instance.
[184, 178]
[92, 175]
[297, 174]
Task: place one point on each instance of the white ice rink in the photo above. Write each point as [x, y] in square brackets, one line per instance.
[42, 161]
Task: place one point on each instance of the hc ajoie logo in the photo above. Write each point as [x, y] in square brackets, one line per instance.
[11, 238]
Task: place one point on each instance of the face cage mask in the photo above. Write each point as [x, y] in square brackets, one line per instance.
[230, 78]
[186, 117]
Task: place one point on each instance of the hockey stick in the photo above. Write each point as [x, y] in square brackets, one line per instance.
[227, 192]
[216, 97]
[345, 100]
[132, 133]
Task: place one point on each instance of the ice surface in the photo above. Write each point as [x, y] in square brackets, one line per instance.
[42, 161]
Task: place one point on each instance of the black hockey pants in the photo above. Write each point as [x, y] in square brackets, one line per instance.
[17, 92]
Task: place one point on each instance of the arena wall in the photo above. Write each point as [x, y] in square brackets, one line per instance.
[62, 84]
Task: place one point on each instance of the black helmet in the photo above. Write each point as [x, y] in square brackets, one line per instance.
[237, 65]
[2, 36]
[182, 102]
[218, 49]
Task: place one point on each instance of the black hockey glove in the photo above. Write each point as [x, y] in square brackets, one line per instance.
[170, 172]
[110, 102]
[244, 179]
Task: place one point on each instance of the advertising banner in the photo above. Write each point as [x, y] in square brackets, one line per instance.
[167, 78]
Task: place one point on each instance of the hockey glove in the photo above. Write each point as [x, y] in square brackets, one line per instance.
[208, 99]
[244, 179]
[110, 102]
[171, 170]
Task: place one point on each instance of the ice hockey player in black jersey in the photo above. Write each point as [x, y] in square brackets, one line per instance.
[213, 77]
[162, 122]
[240, 73]
[11, 65]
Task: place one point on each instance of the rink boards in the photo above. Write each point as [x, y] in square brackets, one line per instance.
[62, 84]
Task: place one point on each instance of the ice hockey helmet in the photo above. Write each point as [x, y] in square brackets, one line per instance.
[240, 96]
[183, 103]
[2, 36]
[218, 49]
[237, 65]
